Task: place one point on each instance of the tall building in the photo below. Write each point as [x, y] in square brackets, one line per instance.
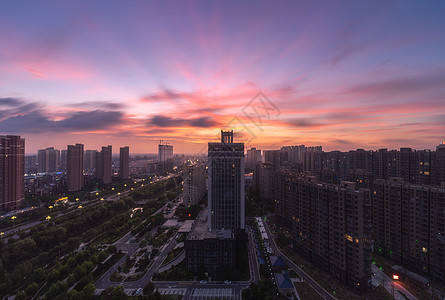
[165, 154]
[263, 180]
[331, 225]
[12, 172]
[194, 183]
[273, 157]
[409, 225]
[89, 161]
[226, 184]
[75, 167]
[103, 164]
[48, 160]
[253, 156]
[439, 165]
[31, 164]
[124, 162]
[63, 160]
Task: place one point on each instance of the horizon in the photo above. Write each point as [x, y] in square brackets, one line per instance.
[342, 75]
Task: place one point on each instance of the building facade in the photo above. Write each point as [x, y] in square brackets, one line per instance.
[165, 155]
[103, 164]
[226, 184]
[331, 225]
[124, 162]
[194, 183]
[12, 172]
[48, 160]
[74, 158]
[409, 225]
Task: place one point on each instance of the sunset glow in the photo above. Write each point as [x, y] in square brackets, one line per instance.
[342, 75]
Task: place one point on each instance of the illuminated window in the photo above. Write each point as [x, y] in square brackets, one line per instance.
[424, 250]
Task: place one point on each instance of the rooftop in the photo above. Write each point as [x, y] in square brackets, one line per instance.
[201, 230]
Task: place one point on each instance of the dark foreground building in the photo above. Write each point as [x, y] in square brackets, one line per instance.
[331, 225]
[409, 225]
[210, 251]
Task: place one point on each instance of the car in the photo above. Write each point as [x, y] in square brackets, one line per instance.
[227, 282]
[203, 282]
[138, 291]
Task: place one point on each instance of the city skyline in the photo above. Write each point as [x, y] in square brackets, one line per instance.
[344, 76]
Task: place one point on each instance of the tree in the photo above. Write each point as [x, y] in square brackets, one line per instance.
[53, 276]
[39, 275]
[148, 288]
[119, 293]
[112, 249]
[20, 295]
[89, 290]
[32, 289]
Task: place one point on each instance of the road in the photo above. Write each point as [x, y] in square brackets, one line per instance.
[390, 285]
[253, 259]
[113, 197]
[190, 289]
[124, 244]
[317, 287]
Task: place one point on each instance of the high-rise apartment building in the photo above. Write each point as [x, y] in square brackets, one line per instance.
[253, 156]
[331, 224]
[124, 162]
[63, 160]
[12, 171]
[75, 167]
[263, 180]
[31, 164]
[409, 225]
[226, 184]
[165, 154]
[439, 165]
[103, 164]
[194, 183]
[89, 161]
[48, 160]
[273, 157]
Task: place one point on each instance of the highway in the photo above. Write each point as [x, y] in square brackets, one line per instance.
[85, 204]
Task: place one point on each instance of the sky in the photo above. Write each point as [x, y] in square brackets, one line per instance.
[341, 74]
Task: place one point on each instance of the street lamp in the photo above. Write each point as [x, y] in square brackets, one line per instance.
[48, 218]
[80, 206]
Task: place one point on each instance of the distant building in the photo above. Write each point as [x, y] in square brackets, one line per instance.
[75, 167]
[31, 164]
[273, 157]
[194, 183]
[263, 180]
[124, 162]
[89, 161]
[226, 184]
[48, 160]
[12, 171]
[63, 160]
[165, 154]
[253, 156]
[103, 164]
